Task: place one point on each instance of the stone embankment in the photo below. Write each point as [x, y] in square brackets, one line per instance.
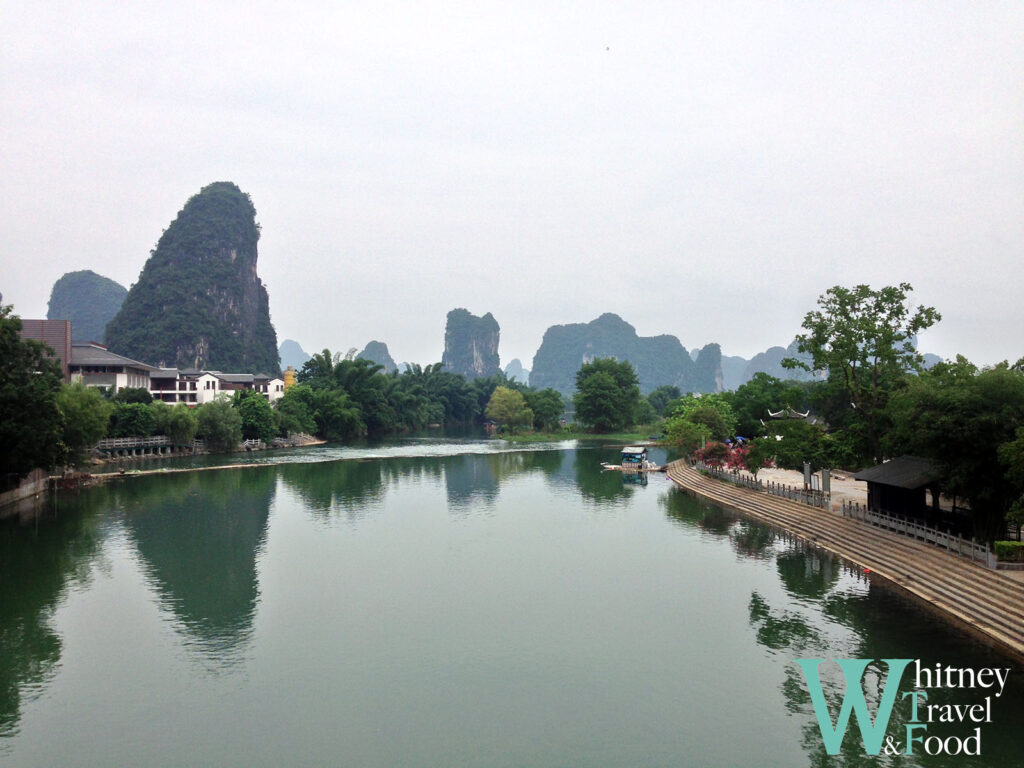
[986, 602]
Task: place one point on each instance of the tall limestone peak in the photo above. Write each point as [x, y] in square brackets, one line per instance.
[88, 300]
[709, 369]
[198, 302]
[471, 344]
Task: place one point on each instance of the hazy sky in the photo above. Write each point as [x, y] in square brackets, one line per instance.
[702, 169]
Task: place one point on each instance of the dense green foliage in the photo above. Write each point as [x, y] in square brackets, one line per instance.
[1010, 551]
[508, 408]
[864, 340]
[657, 360]
[180, 423]
[198, 302]
[133, 420]
[752, 402]
[376, 403]
[88, 300]
[471, 345]
[967, 421]
[547, 406]
[132, 395]
[86, 416]
[220, 425]
[256, 414]
[662, 396]
[607, 394]
[31, 425]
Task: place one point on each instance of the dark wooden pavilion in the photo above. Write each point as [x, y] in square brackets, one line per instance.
[901, 486]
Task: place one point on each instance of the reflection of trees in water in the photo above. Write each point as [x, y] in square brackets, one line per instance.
[329, 487]
[836, 618]
[475, 479]
[198, 535]
[37, 563]
[596, 483]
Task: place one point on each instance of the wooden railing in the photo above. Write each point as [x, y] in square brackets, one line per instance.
[977, 552]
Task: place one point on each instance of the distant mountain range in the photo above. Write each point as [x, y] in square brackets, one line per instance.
[658, 360]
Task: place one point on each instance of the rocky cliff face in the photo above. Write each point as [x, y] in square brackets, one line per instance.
[377, 352]
[199, 302]
[658, 360]
[88, 300]
[471, 344]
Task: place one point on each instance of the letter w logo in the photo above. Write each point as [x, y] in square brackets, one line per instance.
[871, 733]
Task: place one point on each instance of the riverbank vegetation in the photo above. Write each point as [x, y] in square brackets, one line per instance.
[869, 398]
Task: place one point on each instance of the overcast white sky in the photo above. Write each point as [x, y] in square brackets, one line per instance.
[702, 169]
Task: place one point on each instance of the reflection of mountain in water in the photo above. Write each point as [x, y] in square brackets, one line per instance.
[198, 535]
[36, 566]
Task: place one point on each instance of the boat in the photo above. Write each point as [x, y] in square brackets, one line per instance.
[634, 459]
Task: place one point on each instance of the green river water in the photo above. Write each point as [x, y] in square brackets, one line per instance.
[443, 603]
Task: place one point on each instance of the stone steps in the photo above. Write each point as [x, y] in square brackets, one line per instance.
[985, 601]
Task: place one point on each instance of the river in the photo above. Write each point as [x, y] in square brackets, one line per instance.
[443, 603]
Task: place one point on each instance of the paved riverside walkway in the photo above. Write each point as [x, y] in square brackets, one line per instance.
[986, 602]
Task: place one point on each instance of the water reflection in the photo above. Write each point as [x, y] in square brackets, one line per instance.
[38, 561]
[836, 611]
[327, 488]
[198, 536]
[692, 512]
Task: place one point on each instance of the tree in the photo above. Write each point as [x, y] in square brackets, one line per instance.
[133, 420]
[180, 424]
[752, 401]
[256, 414]
[132, 395]
[797, 441]
[864, 341]
[607, 393]
[963, 420]
[684, 434]
[547, 407]
[508, 407]
[1011, 456]
[759, 453]
[220, 425]
[86, 415]
[662, 396]
[710, 414]
[30, 421]
[293, 414]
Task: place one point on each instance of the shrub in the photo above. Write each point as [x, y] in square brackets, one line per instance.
[1010, 551]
